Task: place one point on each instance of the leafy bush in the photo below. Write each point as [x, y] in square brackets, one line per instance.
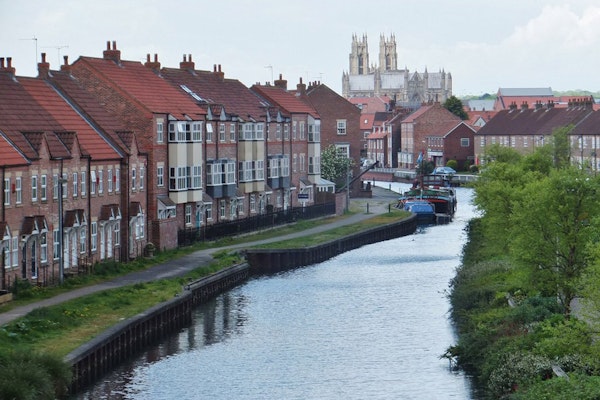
[452, 164]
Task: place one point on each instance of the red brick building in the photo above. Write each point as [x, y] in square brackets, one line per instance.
[340, 123]
[169, 127]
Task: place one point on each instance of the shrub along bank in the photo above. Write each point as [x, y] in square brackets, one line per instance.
[512, 339]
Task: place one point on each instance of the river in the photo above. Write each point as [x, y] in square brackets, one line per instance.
[368, 324]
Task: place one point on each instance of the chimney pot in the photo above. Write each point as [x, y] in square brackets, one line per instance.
[114, 44]
[219, 67]
[108, 45]
[214, 67]
[66, 58]
[155, 57]
[148, 57]
[43, 57]
[1, 62]
[189, 57]
[8, 62]
[184, 58]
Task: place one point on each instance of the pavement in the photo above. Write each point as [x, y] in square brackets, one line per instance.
[378, 204]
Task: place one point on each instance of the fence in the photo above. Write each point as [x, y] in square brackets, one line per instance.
[189, 236]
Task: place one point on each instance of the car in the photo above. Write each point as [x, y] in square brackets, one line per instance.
[443, 171]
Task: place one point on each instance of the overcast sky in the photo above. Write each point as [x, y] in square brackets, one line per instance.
[484, 44]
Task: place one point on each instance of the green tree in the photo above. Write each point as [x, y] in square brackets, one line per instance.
[455, 106]
[335, 165]
[561, 147]
[552, 228]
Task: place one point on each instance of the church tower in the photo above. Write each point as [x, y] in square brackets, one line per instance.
[359, 57]
[388, 57]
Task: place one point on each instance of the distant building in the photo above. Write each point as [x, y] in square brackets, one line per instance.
[385, 79]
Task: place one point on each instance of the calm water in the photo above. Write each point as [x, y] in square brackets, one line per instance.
[368, 324]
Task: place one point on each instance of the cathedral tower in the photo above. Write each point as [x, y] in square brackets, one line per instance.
[359, 57]
[388, 57]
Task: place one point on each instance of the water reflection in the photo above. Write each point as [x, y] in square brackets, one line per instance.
[370, 323]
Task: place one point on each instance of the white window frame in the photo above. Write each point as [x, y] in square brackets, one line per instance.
[18, 190]
[75, 184]
[160, 176]
[94, 236]
[34, 188]
[44, 187]
[160, 132]
[341, 127]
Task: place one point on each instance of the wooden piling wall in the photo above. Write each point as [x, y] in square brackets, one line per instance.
[266, 261]
[115, 345]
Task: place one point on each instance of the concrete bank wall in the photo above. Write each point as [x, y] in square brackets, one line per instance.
[265, 261]
[106, 351]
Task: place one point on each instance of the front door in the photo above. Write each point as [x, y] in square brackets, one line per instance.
[34, 271]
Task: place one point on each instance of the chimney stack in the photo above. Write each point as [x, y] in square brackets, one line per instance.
[9, 68]
[112, 54]
[281, 83]
[187, 64]
[66, 67]
[220, 75]
[301, 87]
[153, 65]
[43, 67]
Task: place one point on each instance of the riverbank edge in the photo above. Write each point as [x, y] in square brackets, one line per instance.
[106, 351]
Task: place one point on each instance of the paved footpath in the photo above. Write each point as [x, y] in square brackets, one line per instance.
[180, 266]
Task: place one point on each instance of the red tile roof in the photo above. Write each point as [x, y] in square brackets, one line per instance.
[371, 105]
[211, 88]
[91, 141]
[289, 103]
[89, 107]
[366, 121]
[142, 85]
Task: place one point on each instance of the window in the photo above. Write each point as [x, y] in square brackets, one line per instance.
[302, 132]
[196, 177]
[100, 182]
[83, 187]
[118, 233]
[160, 176]
[286, 132]
[253, 203]
[141, 178]
[18, 190]
[230, 177]
[341, 126]
[34, 188]
[43, 187]
[55, 244]
[172, 132]
[133, 175]
[221, 132]
[260, 131]
[110, 178]
[278, 132]
[188, 214]
[295, 163]
[160, 132]
[75, 188]
[94, 236]
[93, 182]
[222, 208]
[197, 131]
[55, 187]
[43, 248]
[65, 190]
[209, 132]
[208, 211]
[259, 170]
[117, 180]
[464, 142]
[232, 132]
[294, 129]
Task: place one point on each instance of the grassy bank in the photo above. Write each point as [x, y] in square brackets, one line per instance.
[513, 339]
[42, 338]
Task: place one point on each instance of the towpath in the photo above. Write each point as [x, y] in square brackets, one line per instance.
[181, 266]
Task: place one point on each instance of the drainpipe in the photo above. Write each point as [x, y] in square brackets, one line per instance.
[3, 219]
[89, 205]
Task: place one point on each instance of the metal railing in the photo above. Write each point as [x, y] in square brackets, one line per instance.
[255, 223]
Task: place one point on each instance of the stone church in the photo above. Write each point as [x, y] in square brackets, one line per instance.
[385, 79]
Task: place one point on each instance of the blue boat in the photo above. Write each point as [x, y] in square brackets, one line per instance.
[425, 210]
